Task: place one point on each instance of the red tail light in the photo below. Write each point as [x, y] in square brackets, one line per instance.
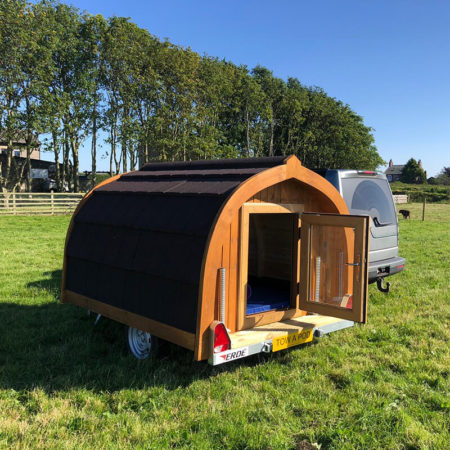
[367, 172]
[350, 302]
[401, 266]
[221, 339]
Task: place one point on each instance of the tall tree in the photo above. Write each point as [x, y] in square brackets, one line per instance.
[13, 46]
[93, 30]
[273, 89]
[413, 173]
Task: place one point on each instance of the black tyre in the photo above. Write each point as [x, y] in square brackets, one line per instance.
[141, 344]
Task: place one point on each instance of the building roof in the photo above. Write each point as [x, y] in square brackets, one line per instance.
[394, 170]
[20, 139]
[152, 242]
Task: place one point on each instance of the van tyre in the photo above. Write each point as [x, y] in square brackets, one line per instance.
[141, 344]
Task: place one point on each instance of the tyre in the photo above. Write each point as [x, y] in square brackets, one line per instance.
[141, 344]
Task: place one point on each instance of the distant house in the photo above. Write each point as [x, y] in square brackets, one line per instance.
[19, 145]
[39, 168]
[394, 171]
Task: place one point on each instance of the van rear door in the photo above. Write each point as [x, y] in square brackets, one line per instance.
[371, 194]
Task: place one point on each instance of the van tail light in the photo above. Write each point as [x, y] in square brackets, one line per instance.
[222, 341]
[401, 266]
[367, 172]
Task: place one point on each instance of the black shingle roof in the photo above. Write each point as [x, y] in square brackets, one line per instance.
[394, 170]
[138, 242]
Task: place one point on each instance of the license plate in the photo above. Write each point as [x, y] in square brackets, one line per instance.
[292, 339]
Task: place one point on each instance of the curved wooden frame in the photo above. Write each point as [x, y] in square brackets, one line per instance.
[292, 169]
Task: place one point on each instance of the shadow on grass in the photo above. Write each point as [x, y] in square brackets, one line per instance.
[56, 346]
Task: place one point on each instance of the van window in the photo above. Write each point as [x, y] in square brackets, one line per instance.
[371, 197]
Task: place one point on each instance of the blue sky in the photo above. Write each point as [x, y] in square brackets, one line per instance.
[389, 60]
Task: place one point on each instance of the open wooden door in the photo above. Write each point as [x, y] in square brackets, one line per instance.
[334, 263]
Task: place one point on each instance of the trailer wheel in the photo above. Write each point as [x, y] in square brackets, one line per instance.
[141, 344]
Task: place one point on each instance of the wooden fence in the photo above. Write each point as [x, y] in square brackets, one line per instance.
[21, 203]
[399, 199]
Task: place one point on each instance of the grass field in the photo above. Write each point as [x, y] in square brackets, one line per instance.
[415, 192]
[65, 383]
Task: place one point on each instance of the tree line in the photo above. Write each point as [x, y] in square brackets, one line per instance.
[76, 77]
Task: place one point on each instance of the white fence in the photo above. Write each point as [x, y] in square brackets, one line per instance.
[21, 203]
[399, 199]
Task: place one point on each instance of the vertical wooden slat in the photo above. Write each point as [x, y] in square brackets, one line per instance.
[272, 194]
[243, 267]
[52, 201]
[284, 192]
[233, 274]
[265, 195]
[14, 203]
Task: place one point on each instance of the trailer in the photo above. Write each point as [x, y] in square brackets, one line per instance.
[226, 258]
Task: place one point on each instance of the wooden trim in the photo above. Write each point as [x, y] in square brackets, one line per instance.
[71, 225]
[244, 321]
[275, 329]
[291, 169]
[243, 268]
[273, 208]
[356, 247]
[161, 330]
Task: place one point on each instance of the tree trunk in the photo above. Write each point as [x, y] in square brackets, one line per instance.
[66, 169]
[28, 167]
[247, 132]
[9, 155]
[124, 155]
[111, 164]
[132, 152]
[74, 144]
[57, 167]
[94, 147]
[272, 126]
[29, 139]
[17, 174]
[112, 155]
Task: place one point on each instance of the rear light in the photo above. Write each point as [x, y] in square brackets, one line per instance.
[350, 302]
[367, 172]
[401, 266]
[221, 339]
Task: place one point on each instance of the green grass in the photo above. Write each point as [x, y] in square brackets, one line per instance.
[65, 383]
[433, 192]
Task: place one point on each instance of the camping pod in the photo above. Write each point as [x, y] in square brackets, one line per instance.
[224, 257]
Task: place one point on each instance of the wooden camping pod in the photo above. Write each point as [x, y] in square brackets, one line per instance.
[145, 248]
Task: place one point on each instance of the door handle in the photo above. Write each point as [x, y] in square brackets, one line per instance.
[353, 264]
